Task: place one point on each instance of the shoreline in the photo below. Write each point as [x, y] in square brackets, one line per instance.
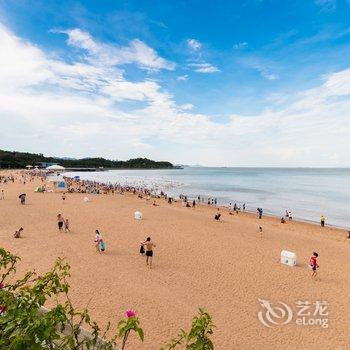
[267, 212]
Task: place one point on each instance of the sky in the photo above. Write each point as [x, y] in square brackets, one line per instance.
[216, 83]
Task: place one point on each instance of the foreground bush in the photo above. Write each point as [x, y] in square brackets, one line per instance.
[25, 325]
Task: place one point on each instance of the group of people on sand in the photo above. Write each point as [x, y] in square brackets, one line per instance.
[62, 223]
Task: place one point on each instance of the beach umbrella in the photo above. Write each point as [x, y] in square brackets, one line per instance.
[21, 195]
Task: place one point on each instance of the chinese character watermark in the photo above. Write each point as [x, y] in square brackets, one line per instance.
[305, 313]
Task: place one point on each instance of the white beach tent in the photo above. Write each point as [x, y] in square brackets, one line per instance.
[55, 168]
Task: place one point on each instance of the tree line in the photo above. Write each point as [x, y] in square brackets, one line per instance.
[17, 160]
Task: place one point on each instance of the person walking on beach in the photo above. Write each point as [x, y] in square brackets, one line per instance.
[60, 222]
[314, 265]
[17, 234]
[260, 212]
[64, 196]
[2, 195]
[261, 231]
[322, 220]
[149, 251]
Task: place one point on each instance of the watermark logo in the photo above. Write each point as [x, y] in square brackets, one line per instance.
[271, 315]
[305, 313]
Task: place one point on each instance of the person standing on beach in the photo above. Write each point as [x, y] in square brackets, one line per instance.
[314, 265]
[261, 231]
[149, 251]
[2, 194]
[60, 222]
[98, 238]
[260, 212]
[323, 220]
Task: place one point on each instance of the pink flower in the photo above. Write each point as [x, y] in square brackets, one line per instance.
[1, 285]
[130, 313]
[2, 309]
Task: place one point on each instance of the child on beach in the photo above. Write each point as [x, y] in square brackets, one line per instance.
[17, 234]
[261, 231]
[2, 194]
[22, 197]
[322, 220]
[314, 265]
[66, 226]
[149, 251]
[102, 245]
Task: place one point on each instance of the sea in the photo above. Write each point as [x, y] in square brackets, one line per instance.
[307, 192]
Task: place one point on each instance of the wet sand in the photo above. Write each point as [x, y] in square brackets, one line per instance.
[223, 266]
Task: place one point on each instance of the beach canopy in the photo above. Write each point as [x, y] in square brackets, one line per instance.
[56, 168]
[29, 166]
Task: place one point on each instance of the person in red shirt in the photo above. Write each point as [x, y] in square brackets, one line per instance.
[313, 265]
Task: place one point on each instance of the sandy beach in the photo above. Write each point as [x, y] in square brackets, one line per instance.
[223, 266]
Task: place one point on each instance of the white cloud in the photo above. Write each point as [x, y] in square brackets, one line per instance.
[76, 109]
[194, 44]
[182, 77]
[240, 45]
[265, 69]
[204, 67]
[186, 106]
[327, 5]
[137, 51]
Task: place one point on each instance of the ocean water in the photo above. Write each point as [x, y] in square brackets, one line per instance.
[308, 193]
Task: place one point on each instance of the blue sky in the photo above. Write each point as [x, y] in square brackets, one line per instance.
[251, 82]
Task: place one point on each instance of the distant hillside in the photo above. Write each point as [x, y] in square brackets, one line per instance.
[21, 159]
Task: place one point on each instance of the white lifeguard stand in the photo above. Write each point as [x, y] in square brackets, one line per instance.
[138, 215]
[288, 258]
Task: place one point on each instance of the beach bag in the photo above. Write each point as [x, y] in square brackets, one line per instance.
[142, 250]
